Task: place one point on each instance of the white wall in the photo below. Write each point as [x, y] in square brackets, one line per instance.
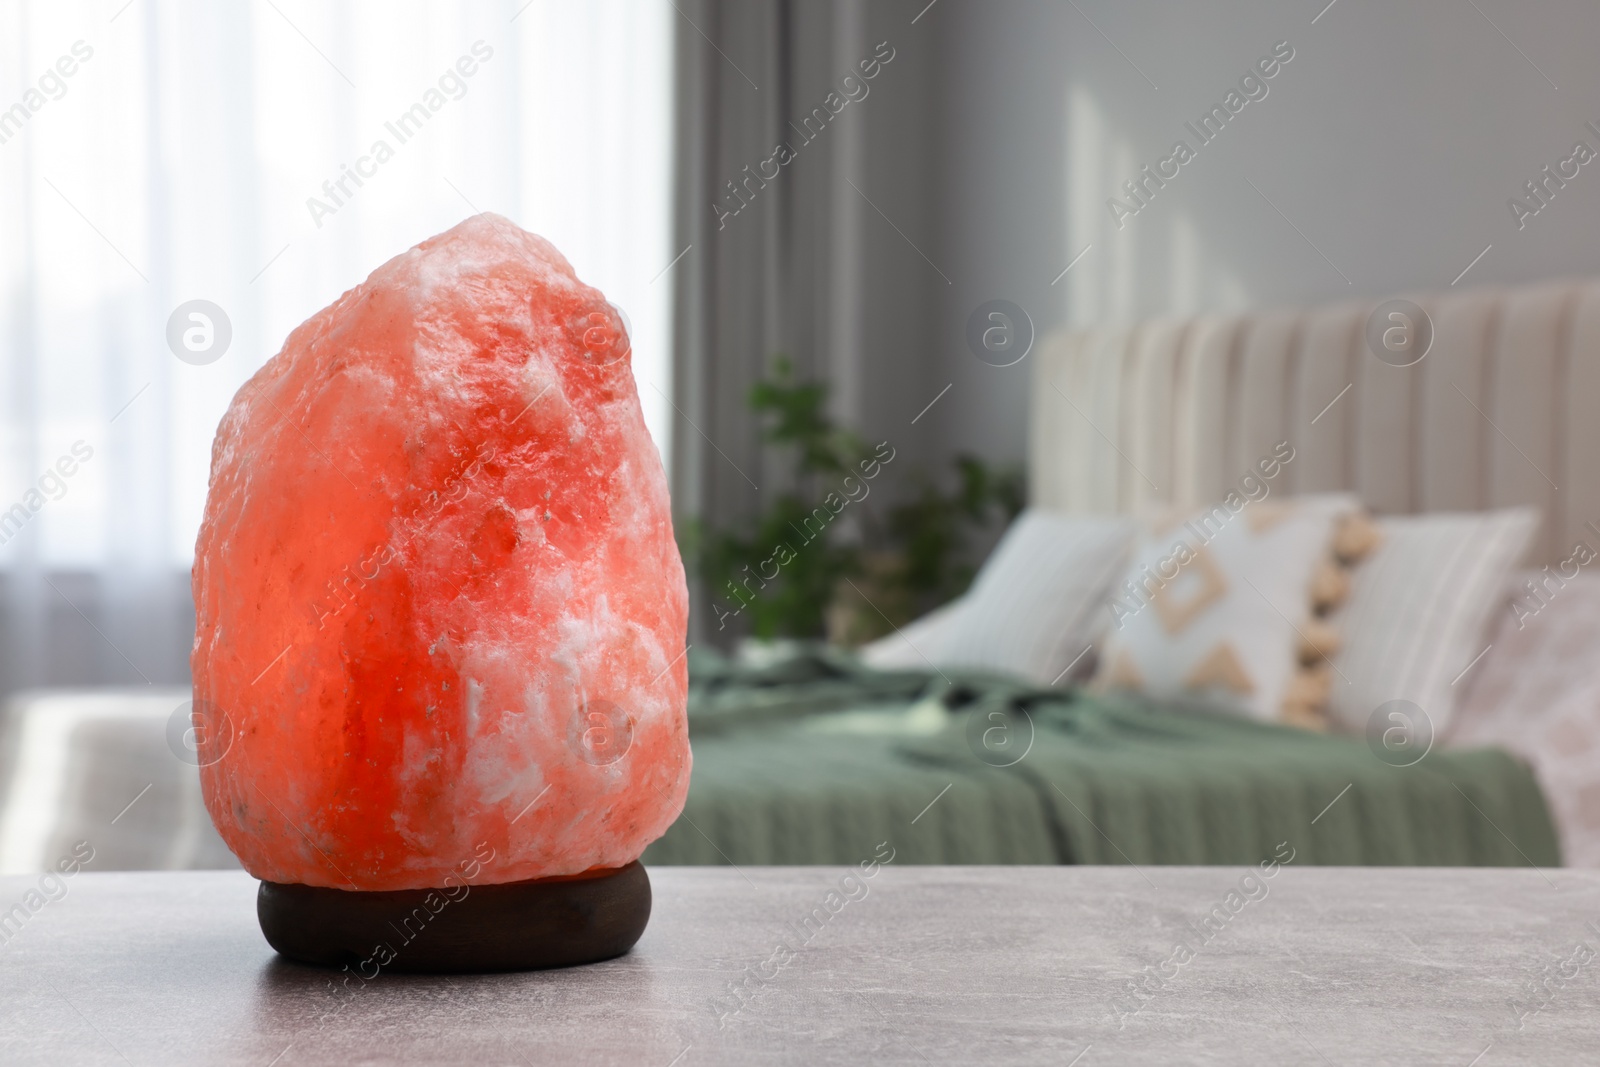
[1392, 141]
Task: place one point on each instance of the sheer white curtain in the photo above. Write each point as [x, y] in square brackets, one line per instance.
[155, 152]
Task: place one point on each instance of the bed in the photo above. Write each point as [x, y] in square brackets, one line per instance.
[815, 759]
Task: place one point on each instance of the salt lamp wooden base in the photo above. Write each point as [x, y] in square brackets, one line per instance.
[516, 926]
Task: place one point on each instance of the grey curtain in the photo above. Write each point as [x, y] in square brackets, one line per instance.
[792, 250]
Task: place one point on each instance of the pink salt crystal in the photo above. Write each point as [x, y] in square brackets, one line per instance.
[437, 592]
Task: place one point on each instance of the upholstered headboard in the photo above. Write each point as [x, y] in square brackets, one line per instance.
[1504, 409]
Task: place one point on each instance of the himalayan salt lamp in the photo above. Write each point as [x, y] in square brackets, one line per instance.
[440, 620]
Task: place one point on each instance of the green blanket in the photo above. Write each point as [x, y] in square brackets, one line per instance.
[814, 759]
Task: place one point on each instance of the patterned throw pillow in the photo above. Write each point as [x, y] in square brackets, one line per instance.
[1536, 693]
[1230, 608]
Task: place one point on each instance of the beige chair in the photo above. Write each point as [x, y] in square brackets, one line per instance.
[113, 767]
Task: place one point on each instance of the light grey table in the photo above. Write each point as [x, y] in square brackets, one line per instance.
[930, 965]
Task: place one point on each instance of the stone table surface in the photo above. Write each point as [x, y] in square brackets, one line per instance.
[914, 965]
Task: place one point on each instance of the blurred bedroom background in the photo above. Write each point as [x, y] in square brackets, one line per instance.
[963, 187]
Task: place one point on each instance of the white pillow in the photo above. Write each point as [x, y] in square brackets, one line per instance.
[1034, 608]
[1216, 609]
[917, 645]
[1419, 608]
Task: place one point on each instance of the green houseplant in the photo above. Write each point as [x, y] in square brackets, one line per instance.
[800, 569]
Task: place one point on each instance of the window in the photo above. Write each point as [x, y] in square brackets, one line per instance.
[265, 157]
